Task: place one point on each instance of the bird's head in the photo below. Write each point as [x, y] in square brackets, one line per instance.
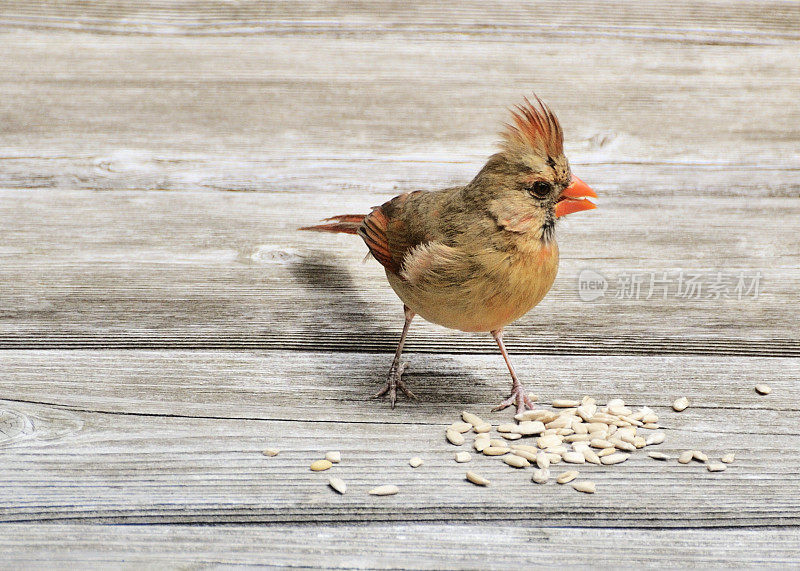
[529, 183]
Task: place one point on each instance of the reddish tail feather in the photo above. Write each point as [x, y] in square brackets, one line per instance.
[343, 224]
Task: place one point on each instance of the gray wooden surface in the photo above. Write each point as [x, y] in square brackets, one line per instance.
[162, 321]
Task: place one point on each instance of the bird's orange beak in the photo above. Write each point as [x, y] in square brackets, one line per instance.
[573, 198]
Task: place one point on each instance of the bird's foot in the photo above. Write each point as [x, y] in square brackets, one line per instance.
[518, 397]
[395, 382]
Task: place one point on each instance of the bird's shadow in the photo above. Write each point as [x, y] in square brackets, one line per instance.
[328, 281]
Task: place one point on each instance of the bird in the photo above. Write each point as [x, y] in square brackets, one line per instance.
[477, 257]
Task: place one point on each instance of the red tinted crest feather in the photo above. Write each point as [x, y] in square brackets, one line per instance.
[536, 129]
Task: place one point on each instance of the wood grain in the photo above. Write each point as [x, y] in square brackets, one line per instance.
[96, 468]
[732, 21]
[328, 387]
[214, 270]
[162, 321]
[384, 114]
[158, 437]
[417, 546]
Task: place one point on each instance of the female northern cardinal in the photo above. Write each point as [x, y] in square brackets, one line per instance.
[480, 256]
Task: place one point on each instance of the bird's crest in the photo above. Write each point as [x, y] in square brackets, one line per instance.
[535, 130]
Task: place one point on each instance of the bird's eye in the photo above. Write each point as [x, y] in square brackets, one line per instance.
[539, 189]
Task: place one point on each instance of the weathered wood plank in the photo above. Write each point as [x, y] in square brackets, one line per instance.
[319, 112]
[327, 387]
[136, 469]
[661, 100]
[176, 437]
[198, 269]
[733, 21]
[416, 546]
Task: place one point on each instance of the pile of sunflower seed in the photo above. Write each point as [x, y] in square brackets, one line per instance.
[573, 432]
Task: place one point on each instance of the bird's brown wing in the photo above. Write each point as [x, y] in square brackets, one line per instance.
[388, 234]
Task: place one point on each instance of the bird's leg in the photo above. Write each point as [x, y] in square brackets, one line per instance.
[395, 381]
[518, 396]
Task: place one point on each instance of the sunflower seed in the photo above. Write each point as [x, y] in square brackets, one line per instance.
[481, 444]
[591, 455]
[415, 462]
[604, 418]
[658, 456]
[556, 449]
[655, 438]
[586, 487]
[270, 452]
[567, 476]
[481, 428]
[530, 427]
[574, 458]
[586, 411]
[728, 458]
[565, 403]
[338, 485]
[497, 443]
[541, 475]
[699, 456]
[580, 429]
[600, 443]
[529, 456]
[334, 456]
[560, 422]
[606, 452]
[472, 419]
[639, 442]
[511, 435]
[508, 427]
[680, 404]
[650, 418]
[538, 414]
[716, 467]
[619, 410]
[385, 490]
[321, 465]
[614, 458]
[516, 461]
[620, 445]
[577, 438]
[686, 457]
[477, 479]
[627, 433]
[496, 451]
[461, 427]
[462, 457]
[548, 441]
[651, 426]
[543, 460]
[455, 438]
[525, 447]
[763, 389]
[554, 458]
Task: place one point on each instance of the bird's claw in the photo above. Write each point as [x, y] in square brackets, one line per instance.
[395, 382]
[518, 397]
